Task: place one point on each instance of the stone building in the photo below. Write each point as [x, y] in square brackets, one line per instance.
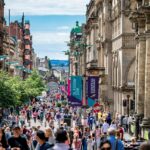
[123, 53]
[17, 46]
[111, 54]
[140, 17]
[75, 50]
[42, 65]
[28, 49]
[77, 54]
[92, 67]
[13, 48]
[1, 31]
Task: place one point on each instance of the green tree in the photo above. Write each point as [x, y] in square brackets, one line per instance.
[15, 91]
[18, 87]
[7, 94]
[34, 85]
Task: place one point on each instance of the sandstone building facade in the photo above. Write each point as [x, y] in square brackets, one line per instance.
[111, 54]
[140, 17]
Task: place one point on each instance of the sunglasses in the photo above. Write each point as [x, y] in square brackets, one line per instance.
[106, 148]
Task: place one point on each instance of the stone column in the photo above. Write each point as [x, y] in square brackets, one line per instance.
[146, 120]
[136, 74]
[141, 69]
[147, 73]
[102, 55]
[121, 105]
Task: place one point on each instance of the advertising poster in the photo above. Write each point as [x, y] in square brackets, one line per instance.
[69, 87]
[93, 88]
[75, 98]
[74, 102]
[76, 87]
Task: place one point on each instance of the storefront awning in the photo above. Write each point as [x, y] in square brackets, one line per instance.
[23, 69]
[20, 67]
[3, 57]
[27, 70]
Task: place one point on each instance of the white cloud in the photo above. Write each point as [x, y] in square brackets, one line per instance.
[47, 7]
[50, 37]
[52, 55]
[63, 28]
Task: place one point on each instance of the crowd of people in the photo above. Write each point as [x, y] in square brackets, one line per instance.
[41, 125]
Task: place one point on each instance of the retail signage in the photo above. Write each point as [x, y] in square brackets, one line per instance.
[69, 87]
[74, 102]
[93, 88]
[76, 87]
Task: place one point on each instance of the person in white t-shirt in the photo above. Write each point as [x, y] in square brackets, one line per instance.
[105, 127]
[113, 125]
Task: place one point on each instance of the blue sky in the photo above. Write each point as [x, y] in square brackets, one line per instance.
[51, 22]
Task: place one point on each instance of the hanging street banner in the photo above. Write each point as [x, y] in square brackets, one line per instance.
[69, 87]
[76, 87]
[75, 90]
[93, 88]
[74, 102]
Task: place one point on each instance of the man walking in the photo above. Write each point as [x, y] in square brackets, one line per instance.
[115, 143]
[105, 127]
[17, 141]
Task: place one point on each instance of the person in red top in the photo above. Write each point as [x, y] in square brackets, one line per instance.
[121, 131]
[77, 143]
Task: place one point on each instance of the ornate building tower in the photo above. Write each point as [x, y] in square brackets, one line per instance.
[28, 49]
[1, 28]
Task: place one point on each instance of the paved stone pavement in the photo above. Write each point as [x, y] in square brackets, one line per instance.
[42, 127]
[127, 136]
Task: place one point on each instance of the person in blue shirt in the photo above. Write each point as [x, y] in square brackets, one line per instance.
[115, 143]
[84, 143]
[91, 120]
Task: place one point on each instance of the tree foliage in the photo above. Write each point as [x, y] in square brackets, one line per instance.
[34, 84]
[15, 91]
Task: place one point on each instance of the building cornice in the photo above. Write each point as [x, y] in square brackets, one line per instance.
[90, 7]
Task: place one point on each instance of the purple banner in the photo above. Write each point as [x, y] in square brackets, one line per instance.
[93, 87]
[74, 102]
